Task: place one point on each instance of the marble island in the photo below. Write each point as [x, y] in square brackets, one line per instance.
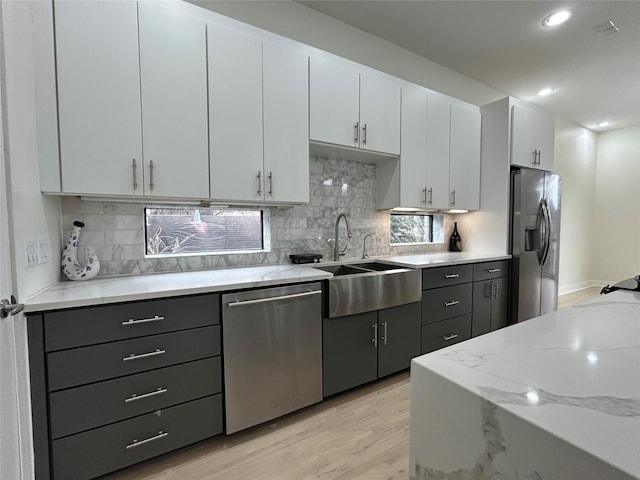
[553, 398]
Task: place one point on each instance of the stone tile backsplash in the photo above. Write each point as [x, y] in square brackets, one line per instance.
[115, 230]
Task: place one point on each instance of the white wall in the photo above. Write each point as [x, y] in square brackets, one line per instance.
[575, 161]
[616, 235]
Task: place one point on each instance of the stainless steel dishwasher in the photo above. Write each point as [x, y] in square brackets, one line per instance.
[272, 344]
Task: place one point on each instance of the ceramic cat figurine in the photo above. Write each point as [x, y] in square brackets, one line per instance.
[69, 260]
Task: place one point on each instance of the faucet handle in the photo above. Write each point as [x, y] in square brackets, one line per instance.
[344, 250]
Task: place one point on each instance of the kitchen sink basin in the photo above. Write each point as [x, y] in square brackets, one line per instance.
[365, 287]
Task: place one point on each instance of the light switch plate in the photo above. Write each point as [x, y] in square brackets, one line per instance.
[43, 250]
[31, 253]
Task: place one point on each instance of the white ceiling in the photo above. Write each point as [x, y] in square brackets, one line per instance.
[503, 45]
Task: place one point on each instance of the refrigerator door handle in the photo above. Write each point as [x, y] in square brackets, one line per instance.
[541, 227]
[547, 231]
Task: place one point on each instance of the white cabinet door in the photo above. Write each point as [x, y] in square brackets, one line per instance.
[173, 74]
[523, 144]
[545, 138]
[438, 126]
[286, 123]
[334, 108]
[99, 97]
[464, 158]
[379, 114]
[413, 150]
[235, 115]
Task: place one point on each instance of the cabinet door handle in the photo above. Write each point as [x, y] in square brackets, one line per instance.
[364, 134]
[488, 290]
[270, 184]
[535, 157]
[131, 321]
[135, 397]
[133, 356]
[374, 340]
[451, 336]
[451, 303]
[493, 270]
[452, 275]
[259, 189]
[137, 443]
[134, 168]
[357, 136]
[424, 191]
[453, 198]
[430, 192]
[384, 333]
[151, 174]
[494, 290]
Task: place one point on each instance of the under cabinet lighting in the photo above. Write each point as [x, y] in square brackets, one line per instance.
[546, 91]
[456, 211]
[556, 18]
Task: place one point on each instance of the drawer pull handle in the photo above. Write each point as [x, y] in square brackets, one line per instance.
[136, 443]
[133, 356]
[451, 304]
[131, 321]
[451, 336]
[452, 275]
[493, 270]
[136, 397]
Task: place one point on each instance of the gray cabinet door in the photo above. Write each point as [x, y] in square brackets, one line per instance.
[500, 304]
[399, 331]
[481, 322]
[349, 353]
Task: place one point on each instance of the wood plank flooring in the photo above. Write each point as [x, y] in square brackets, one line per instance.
[359, 435]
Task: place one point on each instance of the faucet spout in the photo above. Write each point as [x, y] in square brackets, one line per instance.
[336, 238]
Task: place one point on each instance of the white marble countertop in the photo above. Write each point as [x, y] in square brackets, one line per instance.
[99, 291]
[556, 397]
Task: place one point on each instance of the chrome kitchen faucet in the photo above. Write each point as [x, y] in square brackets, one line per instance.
[336, 249]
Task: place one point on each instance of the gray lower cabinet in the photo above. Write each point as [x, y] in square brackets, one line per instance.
[118, 384]
[490, 297]
[360, 348]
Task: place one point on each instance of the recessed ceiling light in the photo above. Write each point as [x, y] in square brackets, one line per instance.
[606, 123]
[546, 91]
[556, 18]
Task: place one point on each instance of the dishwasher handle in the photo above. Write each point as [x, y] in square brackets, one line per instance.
[242, 303]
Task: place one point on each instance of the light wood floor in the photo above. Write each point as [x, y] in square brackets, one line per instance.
[362, 434]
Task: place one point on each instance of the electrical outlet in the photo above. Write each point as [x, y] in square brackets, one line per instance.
[31, 253]
[43, 250]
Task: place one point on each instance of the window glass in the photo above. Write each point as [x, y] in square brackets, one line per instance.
[415, 228]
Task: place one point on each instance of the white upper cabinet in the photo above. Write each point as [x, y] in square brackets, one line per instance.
[173, 75]
[532, 136]
[125, 88]
[99, 97]
[353, 108]
[464, 158]
[413, 150]
[286, 123]
[258, 110]
[438, 128]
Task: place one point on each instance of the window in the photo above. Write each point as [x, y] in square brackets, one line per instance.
[174, 231]
[415, 228]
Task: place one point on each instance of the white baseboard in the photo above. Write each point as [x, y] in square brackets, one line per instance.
[576, 287]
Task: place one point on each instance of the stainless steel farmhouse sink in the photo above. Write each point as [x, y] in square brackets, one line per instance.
[364, 287]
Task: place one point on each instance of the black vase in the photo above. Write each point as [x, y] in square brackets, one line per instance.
[455, 240]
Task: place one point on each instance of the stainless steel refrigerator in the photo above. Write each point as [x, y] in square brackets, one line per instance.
[535, 242]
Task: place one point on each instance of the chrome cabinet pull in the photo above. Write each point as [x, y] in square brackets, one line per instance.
[151, 174]
[384, 333]
[430, 192]
[494, 291]
[374, 340]
[488, 290]
[240, 303]
[135, 397]
[133, 356]
[451, 336]
[452, 275]
[364, 132]
[137, 443]
[131, 321]
[134, 168]
[424, 191]
[451, 303]
[357, 137]
[493, 270]
[535, 157]
[270, 184]
[259, 190]
[453, 197]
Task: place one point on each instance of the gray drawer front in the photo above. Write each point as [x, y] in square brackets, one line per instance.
[79, 366]
[489, 270]
[447, 302]
[77, 409]
[102, 450]
[445, 333]
[89, 326]
[444, 276]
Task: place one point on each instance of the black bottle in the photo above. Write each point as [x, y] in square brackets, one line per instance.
[454, 241]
